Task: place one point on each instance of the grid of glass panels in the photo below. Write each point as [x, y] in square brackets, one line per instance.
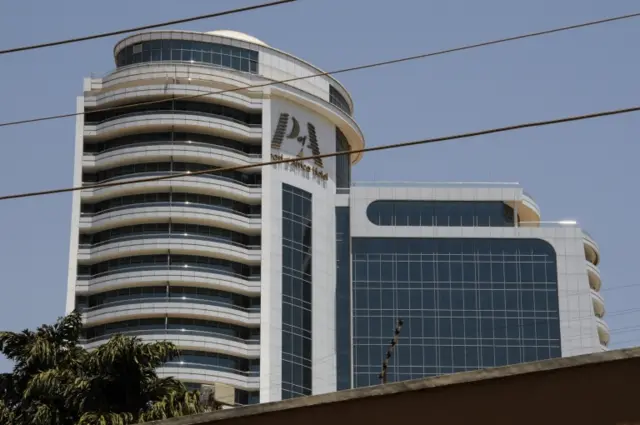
[440, 213]
[189, 51]
[296, 292]
[466, 304]
[343, 298]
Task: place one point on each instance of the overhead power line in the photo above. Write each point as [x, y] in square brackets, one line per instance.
[142, 28]
[336, 72]
[327, 155]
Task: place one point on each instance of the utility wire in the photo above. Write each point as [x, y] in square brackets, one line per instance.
[336, 72]
[328, 155]
[142, 28]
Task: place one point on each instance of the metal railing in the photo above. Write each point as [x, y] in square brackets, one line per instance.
[165, 299]
[159, 235]
[164, 173]
[174, 112]
[168, 267]
[172, 332]
[177, 204]
[176, 143]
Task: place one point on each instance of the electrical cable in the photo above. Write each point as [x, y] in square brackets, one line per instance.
[333, 154]
[142, 28]
[336, 72]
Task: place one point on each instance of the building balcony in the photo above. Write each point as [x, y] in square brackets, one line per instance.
[146, 244]
[206, 184]
[604, 333]
[152, 275]
[194, 308]
[185, 151]
[153, 87]
[598, 304]
[593, 273]
[186, 339]
[152, 121]
[201, 374]
[591, 249]
[178, 212]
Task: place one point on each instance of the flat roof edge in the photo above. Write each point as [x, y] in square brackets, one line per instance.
[408, 386]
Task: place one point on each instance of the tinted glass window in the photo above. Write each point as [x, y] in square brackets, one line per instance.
[172, 198]
[192, 139]
[343, 298]
[171, 167]
[170, 294]
[343, 162]
[172, 326]
[440, 213]
[168, 262]
[177, 106]
[466, 304]
[296, 292]
[337, 99]
[168, 230]
[219, 55]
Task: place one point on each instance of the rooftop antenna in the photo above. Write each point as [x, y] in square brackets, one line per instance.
[394, 342]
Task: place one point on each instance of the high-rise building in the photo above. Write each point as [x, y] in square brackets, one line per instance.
[237, 268]
[287, 280]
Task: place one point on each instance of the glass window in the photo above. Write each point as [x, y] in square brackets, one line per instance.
[185, 50]
[459, 312]
[336, 98]
[440, 213]
[296, 292]
[252, 119]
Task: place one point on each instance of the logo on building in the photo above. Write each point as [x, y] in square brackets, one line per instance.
[308, 143]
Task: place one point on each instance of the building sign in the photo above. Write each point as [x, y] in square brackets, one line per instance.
[306, 145]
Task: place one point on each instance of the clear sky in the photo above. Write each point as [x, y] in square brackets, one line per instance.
[585, 171]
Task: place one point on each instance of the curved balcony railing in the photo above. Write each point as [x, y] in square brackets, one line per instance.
[598, 304]
[603, 332]
[167, 267]
[592, 250]
[192, 300]
[150, 174]
[217, 368]
[175, 112]
[176, 204]
[173, 332]
[159, 235]
[593, 274]
[174, 143]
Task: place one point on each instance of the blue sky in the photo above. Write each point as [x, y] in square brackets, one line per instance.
[585, 171]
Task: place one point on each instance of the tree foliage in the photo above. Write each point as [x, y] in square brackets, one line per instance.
[55, 381]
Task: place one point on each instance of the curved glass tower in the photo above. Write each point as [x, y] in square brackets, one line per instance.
[236, 268]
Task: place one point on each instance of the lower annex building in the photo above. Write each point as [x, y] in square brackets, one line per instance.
[244, 271]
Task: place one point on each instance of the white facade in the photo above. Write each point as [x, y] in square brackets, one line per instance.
[308, 101]
[581, 306]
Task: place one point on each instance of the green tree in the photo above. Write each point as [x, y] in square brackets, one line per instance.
[55, 381]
